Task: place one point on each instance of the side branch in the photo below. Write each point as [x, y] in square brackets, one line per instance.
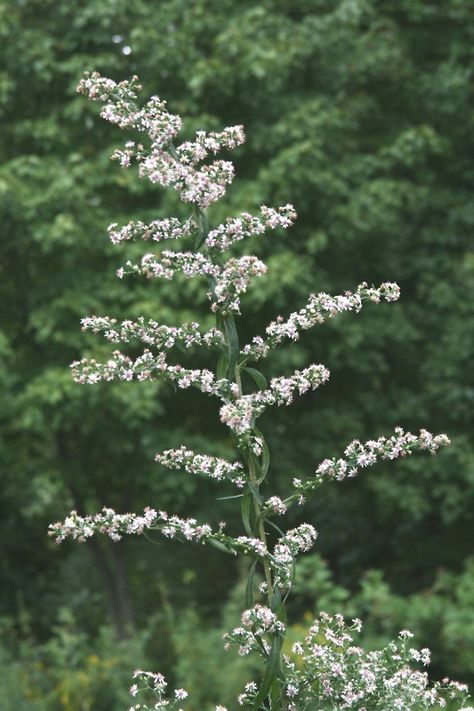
[358, 455]
[318, 309]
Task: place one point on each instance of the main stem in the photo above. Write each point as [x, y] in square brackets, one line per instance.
[233, 374]
[261, 533]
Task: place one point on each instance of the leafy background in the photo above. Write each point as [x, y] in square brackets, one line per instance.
[359, 112]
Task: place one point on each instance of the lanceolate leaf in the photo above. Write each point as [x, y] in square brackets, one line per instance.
[246, 513]
[271, 672]
[233, 345]
[257, 376]
[249, 598]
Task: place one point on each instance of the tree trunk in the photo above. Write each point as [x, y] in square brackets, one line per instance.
[111, 565]
[107, 555]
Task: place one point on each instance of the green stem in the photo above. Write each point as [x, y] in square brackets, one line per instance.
[234, 375]
[261, 533]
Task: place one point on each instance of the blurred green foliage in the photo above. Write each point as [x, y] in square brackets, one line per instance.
[360, 113]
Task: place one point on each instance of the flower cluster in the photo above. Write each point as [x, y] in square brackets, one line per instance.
[329, 670]
[121, 109]
[252, 546]
[229, 281]
[147, 366]
[248, 695]
[233, 280]
[163, 163]
[192, 463]
[201, 187]
[190, 264]
[257, 622]
[121, 97]
[295, 541]
[318, 308]
[153, 687]
[275, 504]
[192, 152]
[157, 230]
[358, 455]
[241, 414]
[152, 333]
[247, 225]
[115, 525]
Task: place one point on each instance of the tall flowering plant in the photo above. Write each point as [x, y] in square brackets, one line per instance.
[326, 669]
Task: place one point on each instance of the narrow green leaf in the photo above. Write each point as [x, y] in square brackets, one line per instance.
[246, 507]
[249, 599]
[271, 672]
[203, 225]
[233, 344]
[265, 459]
[277, 528]
[255, 493]
[212, 285]
[256, 466]
[221, 546]
[275, 695]
[181, 347]
[282, 616]
[258, 377]
[276, 600]
[222, 367]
